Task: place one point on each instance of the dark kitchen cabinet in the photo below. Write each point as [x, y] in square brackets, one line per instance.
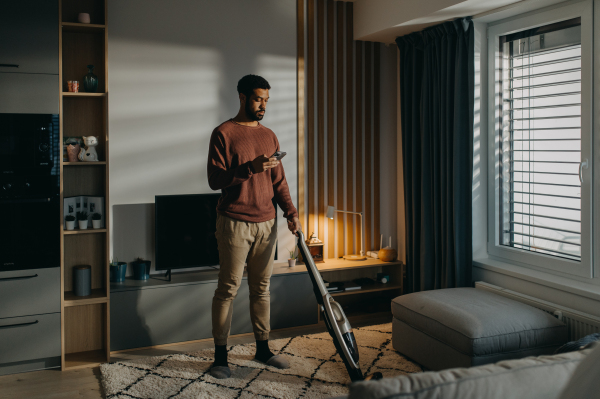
[29, 36]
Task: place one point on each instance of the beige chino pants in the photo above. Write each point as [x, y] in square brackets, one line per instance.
[240, 242]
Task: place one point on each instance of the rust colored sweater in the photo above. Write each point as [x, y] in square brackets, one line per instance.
[246, 195]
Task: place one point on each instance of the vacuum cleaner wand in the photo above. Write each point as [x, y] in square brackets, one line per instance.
[335, 320]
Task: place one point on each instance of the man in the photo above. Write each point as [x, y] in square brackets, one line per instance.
[239, 165]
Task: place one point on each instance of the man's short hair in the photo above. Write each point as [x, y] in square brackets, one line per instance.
[248, 83]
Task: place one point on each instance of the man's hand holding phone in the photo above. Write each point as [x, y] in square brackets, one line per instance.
[262, 163]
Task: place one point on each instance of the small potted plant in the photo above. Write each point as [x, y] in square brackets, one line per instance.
[117, 271]
[293, 257]
[70, 222]
[141, 269]
[96, 220]
[82, 218]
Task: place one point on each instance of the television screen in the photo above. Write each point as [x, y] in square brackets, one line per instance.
[185, 231]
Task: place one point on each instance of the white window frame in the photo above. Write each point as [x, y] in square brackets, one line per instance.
[583, 10]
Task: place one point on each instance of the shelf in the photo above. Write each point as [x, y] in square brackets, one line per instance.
[88, 231]
[98, 296]
[85, 359]
[82, 94]
[376, 287]
[79, 27]
[84, 163]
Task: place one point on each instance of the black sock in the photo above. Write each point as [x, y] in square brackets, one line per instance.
[221, 356]
[263, 353]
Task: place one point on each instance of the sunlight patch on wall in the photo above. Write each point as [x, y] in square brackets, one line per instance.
[164, 104]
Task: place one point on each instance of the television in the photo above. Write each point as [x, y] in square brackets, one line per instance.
[185, 228]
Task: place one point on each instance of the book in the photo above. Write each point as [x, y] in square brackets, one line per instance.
[351, 286]
[336, 287]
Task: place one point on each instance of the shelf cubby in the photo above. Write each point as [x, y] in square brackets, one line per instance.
[70, 9]
[80, 49]
[84, 181]
[86, 116]
[86, 335]
[85, 249]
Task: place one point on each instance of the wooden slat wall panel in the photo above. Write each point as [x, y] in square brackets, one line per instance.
[358, 141]
[376, 171]
[310, 91]
[301, 114]
[368, 178]
[321, 116]
[342, 127]
[349, 128]
[330, 123]
[341, 194]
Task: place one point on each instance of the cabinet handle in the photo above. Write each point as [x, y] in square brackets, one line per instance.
[19, 325]
[17, 278]
[9, 65]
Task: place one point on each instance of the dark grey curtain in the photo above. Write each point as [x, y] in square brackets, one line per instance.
[436, 95]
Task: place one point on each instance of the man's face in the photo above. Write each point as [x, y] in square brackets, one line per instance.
[256, 105]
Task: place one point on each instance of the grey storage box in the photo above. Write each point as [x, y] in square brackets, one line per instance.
[464, 327]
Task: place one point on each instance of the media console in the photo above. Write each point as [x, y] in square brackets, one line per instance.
[156, 311]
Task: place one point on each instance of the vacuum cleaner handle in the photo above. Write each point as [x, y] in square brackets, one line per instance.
[313, 271]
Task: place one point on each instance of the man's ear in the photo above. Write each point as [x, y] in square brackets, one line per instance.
[242, 98]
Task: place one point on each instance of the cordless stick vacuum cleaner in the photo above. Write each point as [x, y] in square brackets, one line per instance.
[335, 319]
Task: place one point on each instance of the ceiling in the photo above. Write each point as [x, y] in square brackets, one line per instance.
[384, 20]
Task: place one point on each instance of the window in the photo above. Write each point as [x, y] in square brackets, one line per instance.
[540, 140]
[540, 124]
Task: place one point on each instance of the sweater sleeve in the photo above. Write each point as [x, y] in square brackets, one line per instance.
[219, 175]
[282, 191]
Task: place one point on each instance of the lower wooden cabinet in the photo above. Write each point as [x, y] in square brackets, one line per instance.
[181, 311]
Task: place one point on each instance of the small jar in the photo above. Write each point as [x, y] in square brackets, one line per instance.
[82, 280]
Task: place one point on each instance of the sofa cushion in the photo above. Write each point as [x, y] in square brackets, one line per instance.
[540, 377]
[584, 382]
[477, 322]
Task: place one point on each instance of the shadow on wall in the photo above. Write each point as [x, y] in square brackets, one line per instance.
[174, 68]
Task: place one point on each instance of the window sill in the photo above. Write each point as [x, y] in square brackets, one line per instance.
[587, 290]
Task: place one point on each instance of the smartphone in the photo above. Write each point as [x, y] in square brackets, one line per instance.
[278, 155]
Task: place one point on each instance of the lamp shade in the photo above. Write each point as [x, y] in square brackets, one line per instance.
[330, 211]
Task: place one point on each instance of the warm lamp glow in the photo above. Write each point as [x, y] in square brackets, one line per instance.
[330, 212]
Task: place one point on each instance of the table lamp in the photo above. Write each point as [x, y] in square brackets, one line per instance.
[330, 212]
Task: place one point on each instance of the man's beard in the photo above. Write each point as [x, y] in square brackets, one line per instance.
[253, 115]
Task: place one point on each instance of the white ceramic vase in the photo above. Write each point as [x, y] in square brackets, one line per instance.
[70, 224]
[83, 224]
[292, 262]
[96, 223]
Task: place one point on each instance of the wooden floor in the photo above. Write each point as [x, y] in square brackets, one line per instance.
[85, 383]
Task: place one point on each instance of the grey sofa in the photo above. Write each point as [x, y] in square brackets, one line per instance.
[564, 376]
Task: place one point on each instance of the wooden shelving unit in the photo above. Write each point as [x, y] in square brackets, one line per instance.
[85, 323]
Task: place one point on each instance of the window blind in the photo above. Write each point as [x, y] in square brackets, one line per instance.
[540, 148]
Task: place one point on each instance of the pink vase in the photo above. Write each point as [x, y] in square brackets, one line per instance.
[73, 152]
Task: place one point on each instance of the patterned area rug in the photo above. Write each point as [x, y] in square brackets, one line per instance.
[316, 370]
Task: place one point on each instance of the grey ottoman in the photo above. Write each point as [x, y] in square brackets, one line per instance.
[464, 327]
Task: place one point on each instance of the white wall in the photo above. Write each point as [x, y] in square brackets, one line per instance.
[173, 71]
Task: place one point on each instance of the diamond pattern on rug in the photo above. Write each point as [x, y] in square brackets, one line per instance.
[316, 370]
